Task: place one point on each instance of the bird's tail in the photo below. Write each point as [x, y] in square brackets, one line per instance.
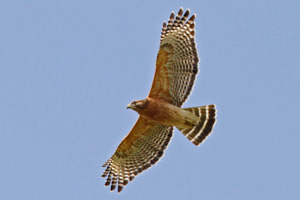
[206, 120]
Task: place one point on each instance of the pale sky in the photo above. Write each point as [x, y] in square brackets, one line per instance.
[69, 68]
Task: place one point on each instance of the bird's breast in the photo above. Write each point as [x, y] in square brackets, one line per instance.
[162, 112]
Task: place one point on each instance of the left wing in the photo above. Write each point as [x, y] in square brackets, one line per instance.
[177, 60]
[139, 150]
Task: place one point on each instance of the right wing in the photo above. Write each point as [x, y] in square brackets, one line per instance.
[139, 150]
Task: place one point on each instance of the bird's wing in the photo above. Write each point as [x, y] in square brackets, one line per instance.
[139, 150]
[177, 60]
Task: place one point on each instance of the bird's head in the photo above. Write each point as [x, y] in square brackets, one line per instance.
[138, 105]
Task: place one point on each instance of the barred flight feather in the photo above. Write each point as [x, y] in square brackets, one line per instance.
[177, 39]
[120, 169]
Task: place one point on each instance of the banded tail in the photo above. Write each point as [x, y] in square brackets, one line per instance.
[205, 123]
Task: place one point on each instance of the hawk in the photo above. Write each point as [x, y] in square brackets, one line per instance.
[175, 74]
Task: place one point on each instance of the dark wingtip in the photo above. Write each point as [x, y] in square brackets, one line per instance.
[187, 12]
[193, 33]
[131, 178]
[172, 16]
[192, 17]
[192, 26]
[164, 24]
[112, 188]
[120, 188]
[180, 11]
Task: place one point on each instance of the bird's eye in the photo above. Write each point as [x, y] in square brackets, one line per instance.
[134, 102]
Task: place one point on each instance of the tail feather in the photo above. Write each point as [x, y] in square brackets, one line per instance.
[204, 126]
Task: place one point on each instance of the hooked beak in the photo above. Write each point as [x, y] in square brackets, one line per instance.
[129, 106]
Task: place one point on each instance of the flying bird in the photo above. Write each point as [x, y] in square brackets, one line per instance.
[175, 74]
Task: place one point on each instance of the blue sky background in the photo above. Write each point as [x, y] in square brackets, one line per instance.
[69, 68]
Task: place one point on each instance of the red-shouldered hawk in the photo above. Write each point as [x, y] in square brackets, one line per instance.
[176, 69]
